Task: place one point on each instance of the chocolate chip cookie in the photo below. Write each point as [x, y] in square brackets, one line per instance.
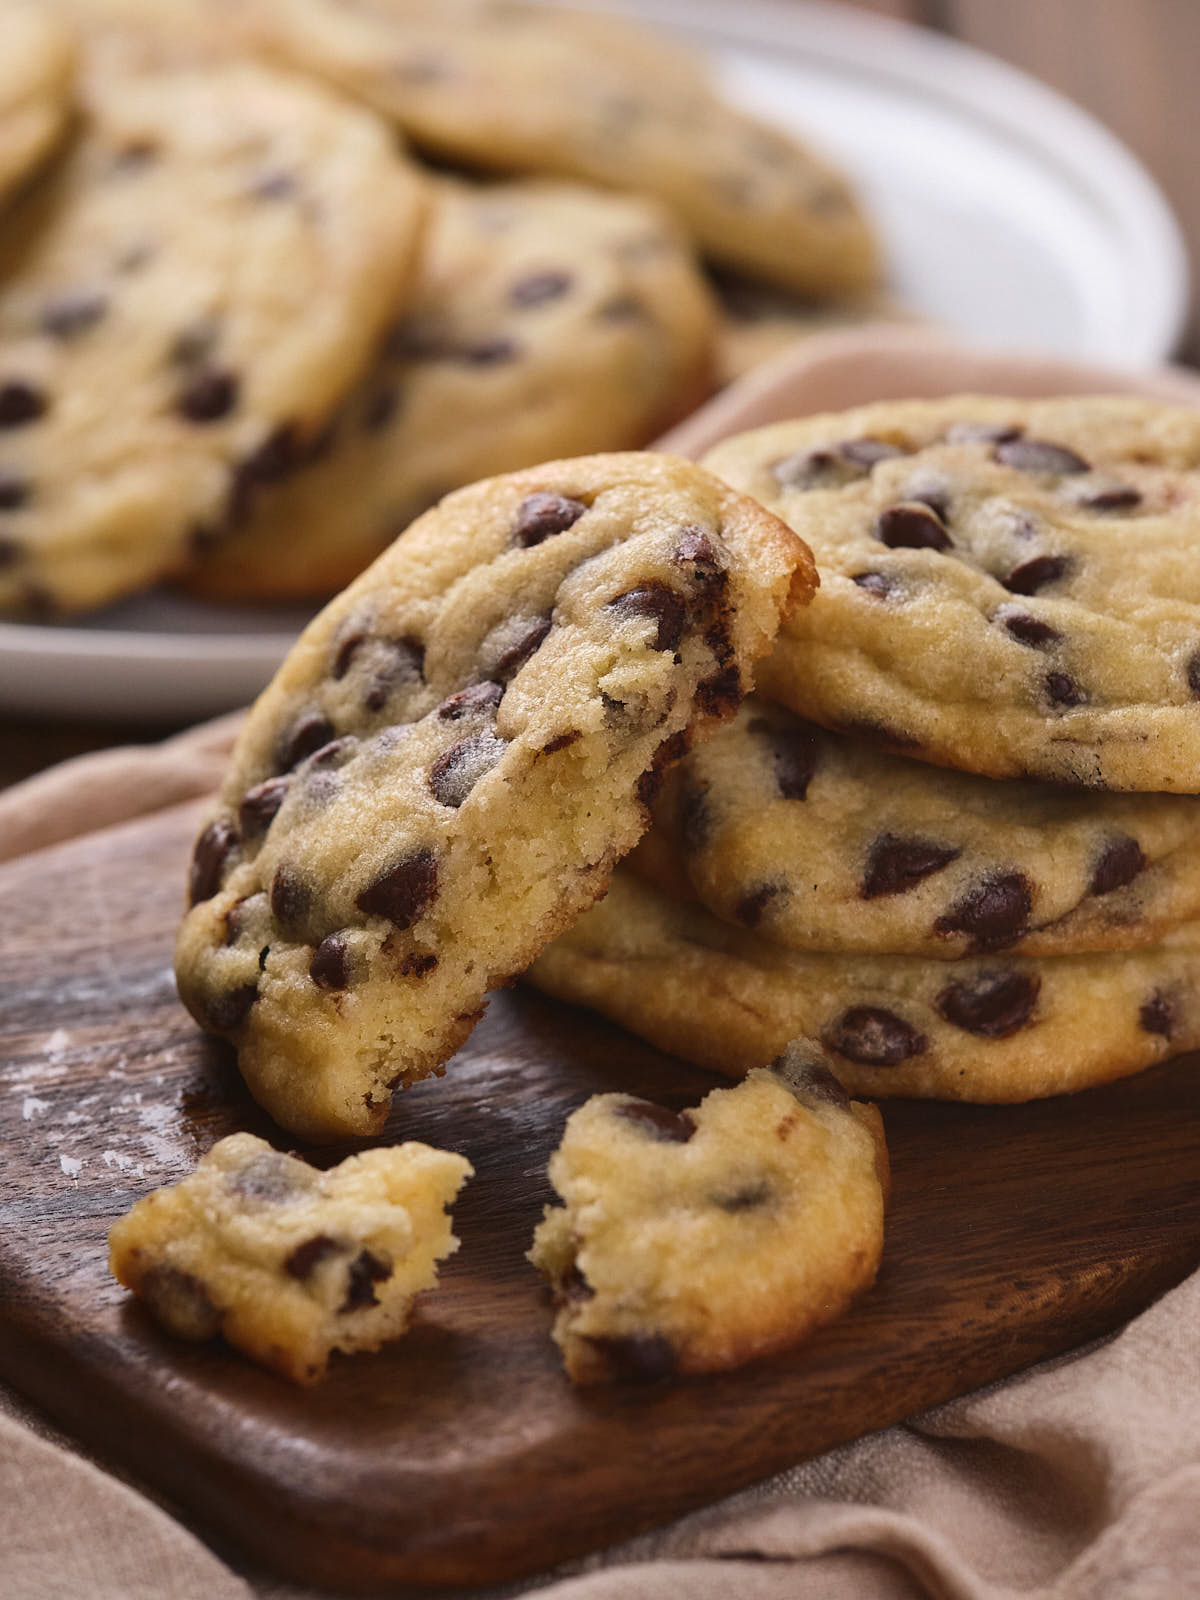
[453, 756]
[988, 1028]
[548, 320]
[528, 89]
[820, 841]
[182, 302]
[288, 1263]
[37, 72]
[1007, 586]
[692, 1241]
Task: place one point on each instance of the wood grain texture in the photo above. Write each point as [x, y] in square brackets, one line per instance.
[461, 1455]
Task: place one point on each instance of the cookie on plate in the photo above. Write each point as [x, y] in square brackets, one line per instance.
[548, 320]
[289, 1263]
[987, 1028]
[692, 1241]
[820, 841]
[528, 89]
[37, 75]
[1007, 586]
[182, 303]
[453, 756]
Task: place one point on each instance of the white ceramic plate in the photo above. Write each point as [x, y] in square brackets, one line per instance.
[1008, 215]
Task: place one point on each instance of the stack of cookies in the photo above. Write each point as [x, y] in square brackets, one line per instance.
[954, 843]
[247, 334]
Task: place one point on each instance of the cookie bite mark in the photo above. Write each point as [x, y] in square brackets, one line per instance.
[991, 1005]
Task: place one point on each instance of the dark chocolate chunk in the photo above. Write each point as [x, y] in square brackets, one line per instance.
[259, 805]
[795, 755]
[330, 965]
[14, 493]
[875, 1037]
[519, 652]
[224, 1012]
[209, 858]
[304, 1260]
[209, 396]
[180, 1302]
[1193, 673]
[672, 749]
[404, 890]
[291, 895]
[720, 694]
[457, 770]
[1123, 497]
[1120, 862]
[20, 403]
[1062, 690]
[668, 1127]
[1039, 455]
[1157, 1014]
[912, 527]
[541, 515]
[477, 700]
[536, 288]
[993, 912]
[662, 604]
[752, 905]
[365, 1271]
[69, 314]
[1033, 575]
[896, 864]
[308, 733]
[992, 1005]
[636, 1357]
[749, 1197]
[1026, 629]
[878, 584]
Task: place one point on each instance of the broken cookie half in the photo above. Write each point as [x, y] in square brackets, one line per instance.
[288, 1263]
[697, 1240]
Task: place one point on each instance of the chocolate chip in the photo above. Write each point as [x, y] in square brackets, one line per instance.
[621, 308]
[211, 395]
[992, 1005]
[875, 1037]
[1193, 673]
[243, 916]
[572, 1286]
[379, 408]
[180, 1302]
[695, 818]
[541, 515]
[1121, 498]
[912, 527]
[403, 892]
[636, 1357]
[137, 153]
[209, 858]
[395, 661]
[795, 756]
[750, 908]
[750, 1197]
[1033, 575]
[668, 1127]
[662, 604]
[269, 1177]
[309, 732]
[1120, 862]
[274, 186]
[993, 912]
[366, 1270]
[807, 1079]
[70, 314]
[981, 433]
[334, 754]
[291, 895]
[878, 584]
[457, 770]
[1157, 1014]
[20, 403]
[868, 452]
[224, 1012]
[562, 741]
[695, 550]
[1039, 455]
[878, 733]
[536, 288]
[14, 493]
[896, 864]
[279, 454]
[490, 352]
[1026, 629]
[304, 1260]
[477, 700]
[260, 804]
[1062, 690]
[672, 749]
[195, 343]
[720, 694]
[330, 965]
[417, 966]
[522, 647]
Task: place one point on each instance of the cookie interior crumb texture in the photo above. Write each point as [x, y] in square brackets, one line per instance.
[697, 1240]
[287, 1263]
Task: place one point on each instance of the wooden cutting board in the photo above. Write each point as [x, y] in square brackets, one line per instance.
[461, 1455]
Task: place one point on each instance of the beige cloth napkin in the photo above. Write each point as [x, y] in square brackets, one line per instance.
[1079, 1480]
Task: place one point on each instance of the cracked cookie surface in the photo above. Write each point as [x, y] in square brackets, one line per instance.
[1007, 586]
[183, 301]
[37, 75]
[819, 841]
[452, 758]
[988, 1028]
[286, 1262]
[692, 1241]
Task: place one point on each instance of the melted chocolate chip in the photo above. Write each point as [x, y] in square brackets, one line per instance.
[695, 818]
[878, 584]
[379, 408]
[260, 804]
[749, 1197]
[636, 1357]
[912, 527]
[1062, 690]
[795, 755]
[308, 733]
[668, 1127]
[621, 308]
[1120, 862]
[562, 741]
[180, 1302]
[209, 858]
[20, 403]
[366, 1270]
[404, 891]
[279, 454]
[274, 186]
[457, 770]
[134, 155]
[1121, 498]
[71, 314]
[490, 352]
[1157, 1014]
[477, 700]
[672, 749]
[697, 551]
[993, 913]
[868, 452]
[1026, 629]
[304, 1260]
[269, 1177]
[395, 661]
[10, 553]
[541, 515]
[416, 965]
[807, 1079]
[519, 652]
[896, 864]
[751, 907]
[875, 1037]
[536, 288]
[720, 694]
[291, 895]
[224, 1012]
[330, 965]
[15, 492]
[211, 395]
[662, 604]
[1033, 575]
[1039, 455]
[992, 1005]
[1193, 673]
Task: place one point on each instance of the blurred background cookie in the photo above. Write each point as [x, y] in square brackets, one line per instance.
[37, 72]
